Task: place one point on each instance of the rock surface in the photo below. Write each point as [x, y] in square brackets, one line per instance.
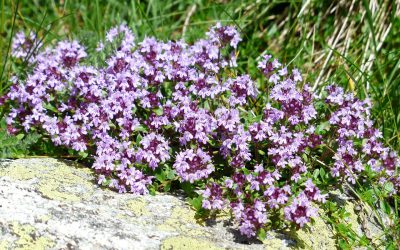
[52, 204]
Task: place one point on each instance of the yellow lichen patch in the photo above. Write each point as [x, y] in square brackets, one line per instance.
[132, 219]
[60, 183]
[52, 189]
[137, 206]
[274, 244]
[173, 225]
[318, 236]
[18, 172]
[183, 243]
[56, 180]
[184, 215]
[223, 215]
[27, 239]
[4, 245]
[49, 190]
[182, 220]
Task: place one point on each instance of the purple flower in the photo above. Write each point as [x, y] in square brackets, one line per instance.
[227, 120]
[300, 211]
[155, 150]
[240, 88]
[251, 217]
[212, 197]
[23, 46]
[313, 193]
[192, 165]
[277, 196]
[222, 35]
[195, 126]
[69, 53]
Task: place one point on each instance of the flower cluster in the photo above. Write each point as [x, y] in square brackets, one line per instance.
[154, 105]
[155, 150]
[358, 143]
[23, 46]
[192, 166]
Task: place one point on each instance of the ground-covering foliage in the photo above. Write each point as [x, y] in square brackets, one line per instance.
[211, 114]
[157, 110]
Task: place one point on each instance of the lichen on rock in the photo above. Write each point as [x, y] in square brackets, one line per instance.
[52, 178]
[52, 204]
[28, 238]
[183, 243]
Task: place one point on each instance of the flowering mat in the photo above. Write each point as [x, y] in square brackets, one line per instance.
[266, 150]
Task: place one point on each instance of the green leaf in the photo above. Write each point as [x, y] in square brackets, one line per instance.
[245, 171]
[187, 187]
[138, 139]
[16, 146]
[369, 196]
[141, 128]
[83, 154]
[261, 234]
[167, 187]
[160, 176]
[343, 244]
[197, 202]
[71, 151]
[158, 111]
[322, 128]
[152, 190]
[258, 118]
[385, 206]
[390, 246]
[389, 187]
[342, 229]
[316, 173]
[171, 174]
[50, 107]
[20, 136]
[364, 241]
[323, 174]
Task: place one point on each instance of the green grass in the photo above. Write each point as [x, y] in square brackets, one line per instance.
[352, 43]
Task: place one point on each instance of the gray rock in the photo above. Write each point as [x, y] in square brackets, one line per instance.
[51, 204]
